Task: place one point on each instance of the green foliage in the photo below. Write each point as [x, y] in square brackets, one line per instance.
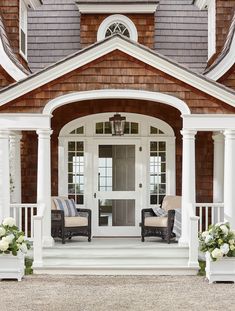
[12, 239]
[28, 266]
[219, 241]
[202, 271]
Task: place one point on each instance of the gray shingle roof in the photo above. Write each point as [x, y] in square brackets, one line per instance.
[53, 32]
[7, 47]
[181, 32]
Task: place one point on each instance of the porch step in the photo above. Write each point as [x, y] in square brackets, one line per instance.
[116, 257]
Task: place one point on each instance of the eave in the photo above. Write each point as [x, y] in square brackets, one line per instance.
[137, 51]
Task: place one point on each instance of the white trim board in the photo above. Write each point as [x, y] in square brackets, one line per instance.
[131, 48]
[24, 121]
[90, 8]
[224, 65]
[213, 122]
[9, 66]
[119, 94]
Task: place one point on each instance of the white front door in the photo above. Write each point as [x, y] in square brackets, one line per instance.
[117, 187]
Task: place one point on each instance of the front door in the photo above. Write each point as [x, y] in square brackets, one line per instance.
[117, 188]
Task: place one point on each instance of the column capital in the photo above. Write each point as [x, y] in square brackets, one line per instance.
[44, 133]
[16, 136]
[229, 134]
[218, 137]
[4, 134]
[188, 134]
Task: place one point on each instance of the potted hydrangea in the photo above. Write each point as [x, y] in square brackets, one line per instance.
[219, 245]
[13, 248]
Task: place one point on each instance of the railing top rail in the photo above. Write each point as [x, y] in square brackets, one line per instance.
[209, 205]
[32, 205]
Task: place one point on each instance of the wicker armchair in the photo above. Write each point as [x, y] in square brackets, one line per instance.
[152, 225]
[67, 227]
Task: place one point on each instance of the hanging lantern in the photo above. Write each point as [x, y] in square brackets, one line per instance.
[117, 124]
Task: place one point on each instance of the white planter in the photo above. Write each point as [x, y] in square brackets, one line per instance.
[12, 267]
[220, 270]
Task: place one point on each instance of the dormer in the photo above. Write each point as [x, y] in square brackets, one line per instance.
[133, 19]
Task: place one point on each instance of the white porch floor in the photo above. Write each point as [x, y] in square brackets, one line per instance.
[116, 256]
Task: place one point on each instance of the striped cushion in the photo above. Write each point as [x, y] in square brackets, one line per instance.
[66, 205]
[158, 211]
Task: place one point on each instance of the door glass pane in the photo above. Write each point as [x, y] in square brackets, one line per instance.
[113, 213]
[116, 168]
[157, 172]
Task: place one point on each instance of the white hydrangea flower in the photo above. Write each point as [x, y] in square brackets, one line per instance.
[217, 253]
[23, 248]
[20, 239]
[208, 238]
[9, 221]
[9, 238]
[232, 247]
[205, 233]
[224, 229]
[231, 242]
[224, 248]
[2, 231]
[3, 245]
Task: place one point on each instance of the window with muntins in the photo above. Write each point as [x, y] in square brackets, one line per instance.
[23, 28]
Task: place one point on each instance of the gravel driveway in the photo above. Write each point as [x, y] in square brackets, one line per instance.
[93, 293]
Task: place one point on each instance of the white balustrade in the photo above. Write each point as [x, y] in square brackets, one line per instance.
[209, 214]
[23, 214]
[38, 236]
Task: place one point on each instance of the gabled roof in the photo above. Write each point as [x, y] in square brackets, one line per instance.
[226, 59]
[101, 48]
[8, 59]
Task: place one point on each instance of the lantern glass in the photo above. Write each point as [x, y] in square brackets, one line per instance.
[117, 124]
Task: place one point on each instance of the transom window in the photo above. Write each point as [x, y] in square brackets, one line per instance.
[117, 23]
[130, 128]
[78, 131]
[117, 28]
[155, 130]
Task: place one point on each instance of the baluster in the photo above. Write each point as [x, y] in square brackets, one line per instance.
[219, 214]
[26, 221]
[31, 223]
[200, 215]
[206, 207]
[213, 209]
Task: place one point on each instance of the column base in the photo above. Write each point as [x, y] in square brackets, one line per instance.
[48, 241]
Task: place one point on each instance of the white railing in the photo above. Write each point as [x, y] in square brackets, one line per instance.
[38, 236]
[23, 214]
[209, 214]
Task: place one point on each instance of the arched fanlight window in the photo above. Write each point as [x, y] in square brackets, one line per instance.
[117, 24]
[117, 28]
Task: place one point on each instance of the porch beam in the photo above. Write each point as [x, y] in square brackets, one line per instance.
[211, 122]
[24, 121]
[188, 183]
[44, 182]
[4, 175]
[229, 177]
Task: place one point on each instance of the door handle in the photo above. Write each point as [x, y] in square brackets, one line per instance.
[140, 185]
[95, 195]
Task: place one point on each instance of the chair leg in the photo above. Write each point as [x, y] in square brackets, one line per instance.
[89, 239]
[142, 238]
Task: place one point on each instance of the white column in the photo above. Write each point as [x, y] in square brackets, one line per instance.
[188, 183]
[229, 177]
[218, 170]
[171, 186]
[44, 182]
[4, 175]
[15, 167]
